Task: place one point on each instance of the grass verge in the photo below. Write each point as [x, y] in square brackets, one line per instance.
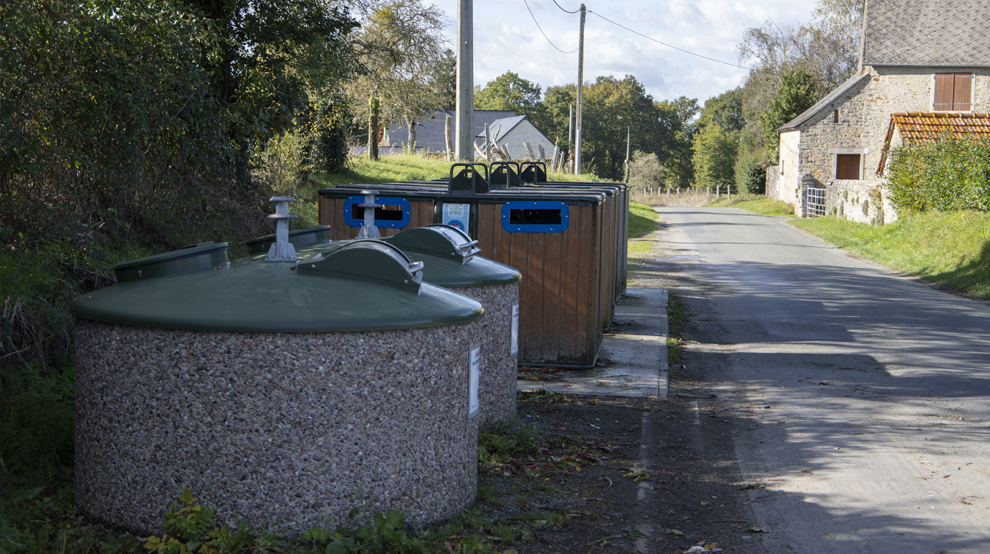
[756, 203]
[643, 219]
[947, 248]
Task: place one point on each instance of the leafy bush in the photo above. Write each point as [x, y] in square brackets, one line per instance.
[751, 172]
[950, 174]
[645, 170]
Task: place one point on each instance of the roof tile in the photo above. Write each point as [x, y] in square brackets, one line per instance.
[941, 33]
[922, 127]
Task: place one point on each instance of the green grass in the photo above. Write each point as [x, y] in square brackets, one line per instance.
[755, 203]
[948, 248]
[642, 220]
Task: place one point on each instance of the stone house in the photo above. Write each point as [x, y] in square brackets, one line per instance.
[918, 57]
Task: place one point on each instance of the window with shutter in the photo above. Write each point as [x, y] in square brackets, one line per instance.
[953, 92]
[847, 166]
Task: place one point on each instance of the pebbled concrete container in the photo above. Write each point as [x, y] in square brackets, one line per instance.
[280, 393]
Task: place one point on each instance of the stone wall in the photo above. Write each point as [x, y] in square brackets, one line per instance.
[863, 121]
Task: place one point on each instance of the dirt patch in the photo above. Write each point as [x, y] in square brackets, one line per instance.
[621, 475]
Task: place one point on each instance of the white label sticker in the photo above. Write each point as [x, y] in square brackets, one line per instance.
[514, 343]
[475, 372]
[457, 215]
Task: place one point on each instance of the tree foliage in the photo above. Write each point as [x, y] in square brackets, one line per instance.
[108, 114]
[129, 121]
[827, 49]
[724, 110]
[401, 46]
[271, 56]
[678, 117]
[554, 113]
[751, 172]
[610, 106]
[795, 95]
[508, 92]
[715, 156]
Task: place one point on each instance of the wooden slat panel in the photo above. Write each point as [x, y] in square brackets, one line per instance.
[962, 93]
[532, 249]
[554, 265]
[529, 294]
[942, 99]
[597, 231]
[847, 166]
[610, 249]
[559, 297]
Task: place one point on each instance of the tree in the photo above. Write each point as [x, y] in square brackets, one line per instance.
[715, 156]
[795, 95]
[751, 171]
[400, 43]
[724, 110]
[271, 55]
[717, 142]
[827, 48]
[553, 115]
[446, 81]
[508, 92]
[610, 105]
[679, 118]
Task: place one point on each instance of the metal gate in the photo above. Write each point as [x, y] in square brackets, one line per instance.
[814, 202]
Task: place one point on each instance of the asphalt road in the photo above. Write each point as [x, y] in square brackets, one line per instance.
[863, 396]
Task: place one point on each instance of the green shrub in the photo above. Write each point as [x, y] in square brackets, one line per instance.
[751, 172]
[951, 174]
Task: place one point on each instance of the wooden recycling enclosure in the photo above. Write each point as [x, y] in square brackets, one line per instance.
[567, 239]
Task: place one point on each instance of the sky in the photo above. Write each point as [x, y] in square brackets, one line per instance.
[507, 39]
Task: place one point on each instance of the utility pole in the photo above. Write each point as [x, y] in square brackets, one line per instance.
[570, 133]
[580, 85]
[465, 82]
[628, 142]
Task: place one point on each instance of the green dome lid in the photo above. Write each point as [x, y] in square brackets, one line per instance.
[358, 286]
[190, 259]
[318, 234]
[450, 257]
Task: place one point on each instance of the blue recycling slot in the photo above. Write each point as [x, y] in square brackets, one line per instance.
[535, 216]
[394, 212]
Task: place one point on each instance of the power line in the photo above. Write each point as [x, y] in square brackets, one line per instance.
[566, 11]
[541, 29]
[668, 45]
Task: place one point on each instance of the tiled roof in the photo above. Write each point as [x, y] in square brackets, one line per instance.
[838, 96]
[947, 33]
[916, 127]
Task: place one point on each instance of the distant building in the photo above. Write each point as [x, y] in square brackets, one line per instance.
[430, 135]
[509, 129]
[514, 132]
